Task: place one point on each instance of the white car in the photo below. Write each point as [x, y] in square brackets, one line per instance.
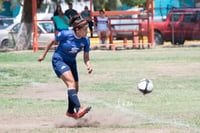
[8, 35]
[4, 39]
[45, 33]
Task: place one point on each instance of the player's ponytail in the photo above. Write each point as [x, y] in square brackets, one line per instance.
[78, 22]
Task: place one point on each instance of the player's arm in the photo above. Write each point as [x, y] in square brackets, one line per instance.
[50, 43]
[87, 62]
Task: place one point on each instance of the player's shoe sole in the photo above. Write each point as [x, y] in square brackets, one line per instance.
[83, 112]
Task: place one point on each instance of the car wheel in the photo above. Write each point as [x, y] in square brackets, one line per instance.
[174, 42]
[181, 42]
[4, 43]
[158, 39]
[178, 42]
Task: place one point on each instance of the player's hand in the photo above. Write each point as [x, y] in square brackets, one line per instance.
[41, 58]
[90, 70]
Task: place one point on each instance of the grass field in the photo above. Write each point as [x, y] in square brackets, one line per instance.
[33, 99]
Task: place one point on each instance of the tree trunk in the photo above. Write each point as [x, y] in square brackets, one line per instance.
[25, 32]
[24, 37]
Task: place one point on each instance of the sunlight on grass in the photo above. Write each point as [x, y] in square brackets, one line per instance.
[112, 86]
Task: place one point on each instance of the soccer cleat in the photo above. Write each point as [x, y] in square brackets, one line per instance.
[74, 115]
[82, 112]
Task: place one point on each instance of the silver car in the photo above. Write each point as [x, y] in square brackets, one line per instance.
[4, 39]
[8, 36]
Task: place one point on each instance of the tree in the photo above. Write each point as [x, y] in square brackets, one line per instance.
[113, 4]
[25, 32]
[135, 2]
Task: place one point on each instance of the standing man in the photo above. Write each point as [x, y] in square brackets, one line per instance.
[70, 12]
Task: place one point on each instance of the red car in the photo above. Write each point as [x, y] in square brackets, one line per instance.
[180, 25]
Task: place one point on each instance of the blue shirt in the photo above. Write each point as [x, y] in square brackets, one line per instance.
[70, 45]
[83, 14]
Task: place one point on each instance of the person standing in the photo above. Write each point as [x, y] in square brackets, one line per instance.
[71, 42]
[86, 15]
[61, 21]
[70, 12]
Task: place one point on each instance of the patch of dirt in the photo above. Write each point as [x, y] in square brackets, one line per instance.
[110, 121]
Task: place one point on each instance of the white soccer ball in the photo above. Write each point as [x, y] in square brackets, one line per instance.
[145, 86]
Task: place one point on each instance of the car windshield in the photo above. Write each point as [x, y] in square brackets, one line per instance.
[175, 17]
[47, 26]
[4, 21]
[16, 27]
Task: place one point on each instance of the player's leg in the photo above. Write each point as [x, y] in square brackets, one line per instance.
[63, 71]
[82, 111]
[73, 100]
[70, 78]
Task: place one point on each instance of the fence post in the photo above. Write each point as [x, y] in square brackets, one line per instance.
[35, 29]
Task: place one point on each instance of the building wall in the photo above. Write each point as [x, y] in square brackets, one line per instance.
[6, 11]
[187, 3]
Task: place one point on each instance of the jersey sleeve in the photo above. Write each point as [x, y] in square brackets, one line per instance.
[87, 45]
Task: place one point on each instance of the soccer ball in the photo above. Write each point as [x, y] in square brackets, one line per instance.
[145, 86]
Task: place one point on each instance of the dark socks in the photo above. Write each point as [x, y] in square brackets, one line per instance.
[70, 106]
[73, 100]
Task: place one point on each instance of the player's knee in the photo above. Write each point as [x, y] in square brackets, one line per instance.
[71, 84]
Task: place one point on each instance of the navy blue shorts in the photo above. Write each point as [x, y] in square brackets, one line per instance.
[60, 67]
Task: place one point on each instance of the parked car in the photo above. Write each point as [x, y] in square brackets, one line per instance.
[5, 21]
[180, 25]
[4, 39]
[8, 36]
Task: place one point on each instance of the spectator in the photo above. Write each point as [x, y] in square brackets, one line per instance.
[101, 25]
[70, 12]
[86, 15]
[61, 21]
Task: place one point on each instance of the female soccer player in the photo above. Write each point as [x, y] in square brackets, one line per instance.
[64, 61]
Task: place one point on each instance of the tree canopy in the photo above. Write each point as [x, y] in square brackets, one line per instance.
[111, 4]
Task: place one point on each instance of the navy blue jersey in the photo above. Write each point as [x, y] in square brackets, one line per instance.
[70, 45]
[64, 58]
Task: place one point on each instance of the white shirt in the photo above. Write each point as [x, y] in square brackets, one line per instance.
[102, 24]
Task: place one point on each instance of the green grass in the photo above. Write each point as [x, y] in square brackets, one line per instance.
[21, 69]
[173, 103]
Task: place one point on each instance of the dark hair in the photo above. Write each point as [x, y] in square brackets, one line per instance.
[77, 22]
[86, 7]
[101, 11]
[56, 11]
[69, 3]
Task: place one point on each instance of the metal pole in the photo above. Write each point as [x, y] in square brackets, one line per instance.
[173, 28]
[148, 29]
[152, 22]
[91, 8]
[35, 29]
